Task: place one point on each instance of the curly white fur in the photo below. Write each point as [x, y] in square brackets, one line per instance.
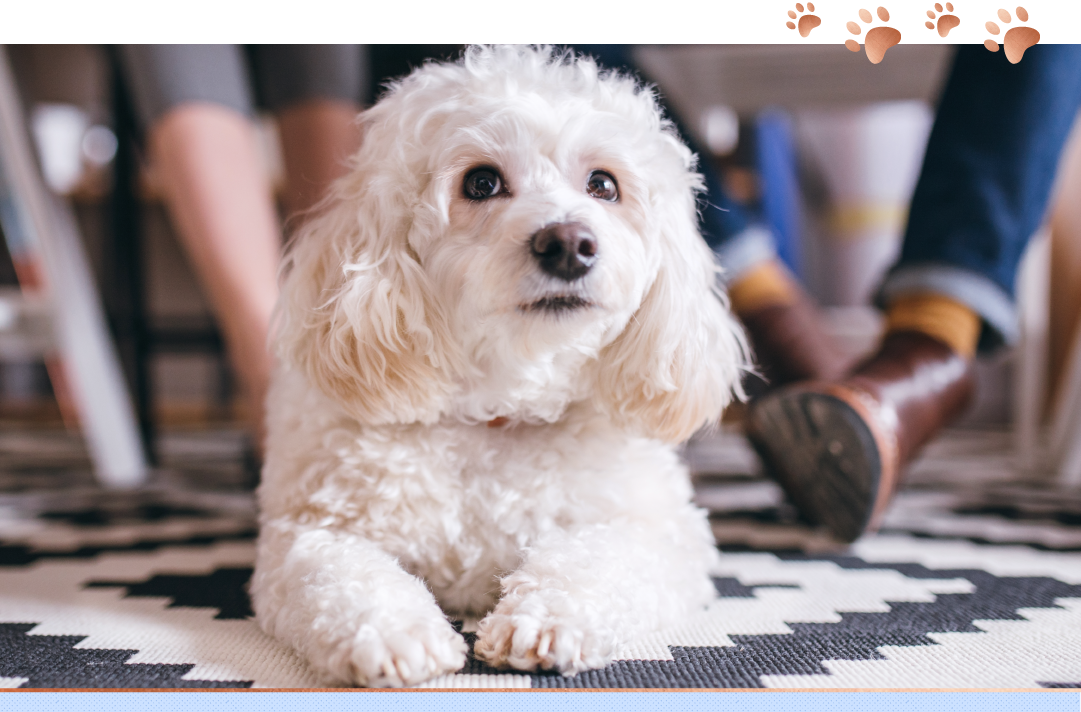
[402, 332]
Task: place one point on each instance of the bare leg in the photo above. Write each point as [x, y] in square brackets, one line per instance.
[218, 195]
[318, 137]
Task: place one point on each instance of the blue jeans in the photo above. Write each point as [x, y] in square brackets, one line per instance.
[986, 180]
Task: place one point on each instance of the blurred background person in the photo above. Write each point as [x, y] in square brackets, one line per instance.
[839, 446]
[195, 106]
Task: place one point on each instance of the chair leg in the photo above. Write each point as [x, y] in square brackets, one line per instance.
[42, 233]
[125, 290]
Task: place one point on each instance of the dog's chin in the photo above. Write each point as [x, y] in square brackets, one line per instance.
[556, 304]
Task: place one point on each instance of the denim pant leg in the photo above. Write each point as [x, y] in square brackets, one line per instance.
[986, 180]
[739, 244]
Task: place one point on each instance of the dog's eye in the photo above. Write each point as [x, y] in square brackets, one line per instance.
[482, 183]
[602, 186]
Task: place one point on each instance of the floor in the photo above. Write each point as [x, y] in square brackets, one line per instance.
[974, 581]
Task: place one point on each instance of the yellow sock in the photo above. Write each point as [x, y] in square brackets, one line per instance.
[940, 317]
[764, 285]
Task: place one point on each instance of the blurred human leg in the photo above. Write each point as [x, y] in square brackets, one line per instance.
[220, 201]
[839, 447]
[986, 180]
[316, 91]
[318, 137]
[195, 107]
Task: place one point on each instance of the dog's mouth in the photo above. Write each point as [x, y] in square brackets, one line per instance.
[556, 304]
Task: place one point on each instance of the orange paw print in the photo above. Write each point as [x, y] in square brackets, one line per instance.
[945, 22]
[1017, 39]
[805, 23]
[878, 40]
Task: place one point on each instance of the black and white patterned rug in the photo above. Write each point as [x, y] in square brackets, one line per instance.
[974, 582]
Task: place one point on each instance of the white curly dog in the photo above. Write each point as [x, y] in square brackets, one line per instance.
[490, 340]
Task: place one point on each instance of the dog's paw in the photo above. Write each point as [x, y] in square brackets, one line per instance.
[400, 656]
[528, 635]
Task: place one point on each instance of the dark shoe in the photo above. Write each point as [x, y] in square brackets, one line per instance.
[790, 345]
[837, 448]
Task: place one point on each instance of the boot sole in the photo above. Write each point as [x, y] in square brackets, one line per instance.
[823, 453]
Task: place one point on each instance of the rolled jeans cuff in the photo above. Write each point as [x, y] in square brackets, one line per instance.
[994, 306]
[745, 250]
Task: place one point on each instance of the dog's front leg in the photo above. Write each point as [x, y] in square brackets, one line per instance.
[581, 595]
[350, 609]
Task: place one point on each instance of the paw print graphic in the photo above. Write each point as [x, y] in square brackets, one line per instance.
[945, 22]
[1017, 39]
[878, 40]
[805, 23]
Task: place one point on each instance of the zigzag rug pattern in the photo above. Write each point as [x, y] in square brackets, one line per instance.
[973, 582]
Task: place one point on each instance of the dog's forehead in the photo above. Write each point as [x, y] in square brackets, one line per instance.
[446, 119]
[537, 126]
[536, 114]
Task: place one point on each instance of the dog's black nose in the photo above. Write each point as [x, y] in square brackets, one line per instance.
[565, 250]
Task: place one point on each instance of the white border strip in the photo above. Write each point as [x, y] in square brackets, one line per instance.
[554, 21]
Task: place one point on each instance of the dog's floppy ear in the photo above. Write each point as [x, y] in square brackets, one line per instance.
[356, 315]
[681, 357]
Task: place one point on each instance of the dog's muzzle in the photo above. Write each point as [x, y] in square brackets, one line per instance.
[566, 251]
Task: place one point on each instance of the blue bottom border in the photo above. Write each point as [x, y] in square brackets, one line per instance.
[540, 701]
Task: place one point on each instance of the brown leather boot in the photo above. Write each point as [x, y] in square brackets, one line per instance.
[837, 448]
[790, 345]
